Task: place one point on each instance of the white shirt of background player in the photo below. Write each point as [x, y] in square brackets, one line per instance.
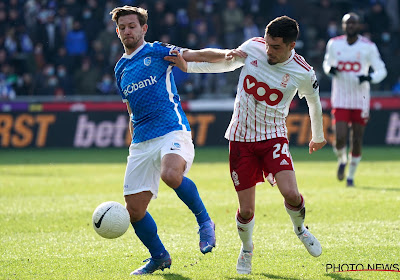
[351, 62]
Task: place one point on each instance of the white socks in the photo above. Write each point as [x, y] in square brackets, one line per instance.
[245, 230]
[354, 161]
[297, 215]
[341, 155]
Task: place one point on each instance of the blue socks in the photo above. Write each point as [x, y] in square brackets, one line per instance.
[187, 192]
[146, 230]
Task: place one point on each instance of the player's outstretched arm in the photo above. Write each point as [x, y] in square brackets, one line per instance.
[204, 55]
[234, 60]
[235, 53]
[212, 55]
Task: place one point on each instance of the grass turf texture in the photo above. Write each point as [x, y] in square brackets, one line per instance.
[47, 198]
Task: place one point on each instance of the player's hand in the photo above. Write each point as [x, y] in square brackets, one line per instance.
[271, 180]
[364, 78]
[235, 53]
[177, 60]
[313, 147]
[333, 71]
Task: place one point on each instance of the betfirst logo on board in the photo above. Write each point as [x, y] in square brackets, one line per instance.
[109, 133]
[102, 134]
[110, 129]
[25, 130]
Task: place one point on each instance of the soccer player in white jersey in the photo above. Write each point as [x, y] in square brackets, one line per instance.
[161, 145]
[272, 73]
[348, 60]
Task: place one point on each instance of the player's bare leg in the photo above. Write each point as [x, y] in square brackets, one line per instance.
[340, 147]
[245, 225]
[136, 204]
[172, 169]
[355, 155]
[294, 205]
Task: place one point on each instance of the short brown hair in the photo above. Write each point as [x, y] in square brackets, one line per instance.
[129, 10]
[284, 27]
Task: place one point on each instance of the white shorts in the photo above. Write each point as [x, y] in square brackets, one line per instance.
[144, 161]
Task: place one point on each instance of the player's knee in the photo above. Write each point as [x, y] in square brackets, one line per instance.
[340, 142]
[135, 213]
[292, 197]
[172, 178]
[246, 213]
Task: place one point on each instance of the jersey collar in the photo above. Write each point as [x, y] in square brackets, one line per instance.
[135, 52]
[288, 60]
[355, 42]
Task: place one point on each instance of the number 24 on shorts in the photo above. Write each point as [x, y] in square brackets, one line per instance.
[278, 151]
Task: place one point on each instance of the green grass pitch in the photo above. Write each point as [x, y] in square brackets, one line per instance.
[47, 198]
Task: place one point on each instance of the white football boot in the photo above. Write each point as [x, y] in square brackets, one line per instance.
[243, 265]
[311, 243]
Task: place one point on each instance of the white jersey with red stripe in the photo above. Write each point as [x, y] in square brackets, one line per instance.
[352, 61]
[265, 92]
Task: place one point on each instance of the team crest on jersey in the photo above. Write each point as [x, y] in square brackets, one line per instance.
[147, 61]
[285, 80]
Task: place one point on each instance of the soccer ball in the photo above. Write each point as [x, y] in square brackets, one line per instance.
[110, 219]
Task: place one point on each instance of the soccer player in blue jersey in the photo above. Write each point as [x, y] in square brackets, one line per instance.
[161, 145]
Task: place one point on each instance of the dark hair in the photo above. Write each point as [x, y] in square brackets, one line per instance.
[284, 27]
[129, 10]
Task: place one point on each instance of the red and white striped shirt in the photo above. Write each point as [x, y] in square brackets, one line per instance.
[352, 61]
[265, 91]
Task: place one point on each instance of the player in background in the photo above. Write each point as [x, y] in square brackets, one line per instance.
[272, 73]
[161, 145]
[348, 59]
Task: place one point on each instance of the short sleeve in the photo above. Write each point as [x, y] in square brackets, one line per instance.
[166, 49]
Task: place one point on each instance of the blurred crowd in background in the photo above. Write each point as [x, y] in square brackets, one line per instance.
[66, 48]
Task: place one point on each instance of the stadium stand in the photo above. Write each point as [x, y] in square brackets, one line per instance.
[69, 48]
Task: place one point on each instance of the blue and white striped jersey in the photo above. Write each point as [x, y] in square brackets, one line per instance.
[145, 80]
